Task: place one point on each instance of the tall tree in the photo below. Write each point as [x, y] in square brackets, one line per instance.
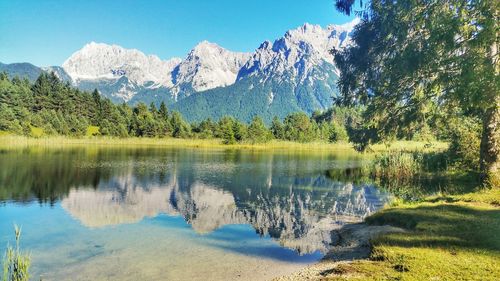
[257, 131]
[298, 127]
[180, 128]
[41, 92]
[163, 111]
[277, 128]
[407, 53]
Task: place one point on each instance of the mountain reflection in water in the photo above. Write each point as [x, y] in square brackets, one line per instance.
[284, 196]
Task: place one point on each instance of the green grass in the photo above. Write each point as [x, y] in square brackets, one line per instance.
[396, 165]
[447, 238]
[92, 131]
[56, 141]
[408, 146]
[8, 140]
[36, 132]
[489, 196]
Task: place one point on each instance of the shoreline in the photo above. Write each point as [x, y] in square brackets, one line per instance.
[415, 246]
[13, 141]
[353, 243]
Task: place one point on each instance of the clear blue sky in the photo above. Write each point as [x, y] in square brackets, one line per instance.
[46, 32]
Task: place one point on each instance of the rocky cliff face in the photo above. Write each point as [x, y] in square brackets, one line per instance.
[295, 72]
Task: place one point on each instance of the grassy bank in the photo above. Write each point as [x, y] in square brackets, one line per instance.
[408, 146]
[16, 141]
[55, 141]
[447, 238]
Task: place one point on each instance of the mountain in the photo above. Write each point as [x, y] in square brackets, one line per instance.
[116, 72]
[59, 72]
[24, 70]
[31, 72]
[298, 51]
[207, 66]
[294, 73]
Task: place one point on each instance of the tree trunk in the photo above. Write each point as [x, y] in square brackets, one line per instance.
[490, 146]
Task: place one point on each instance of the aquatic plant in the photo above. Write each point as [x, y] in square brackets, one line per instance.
[414, 175]
[397, 166]
[16, 263]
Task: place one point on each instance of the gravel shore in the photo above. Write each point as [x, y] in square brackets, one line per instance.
[353, 243]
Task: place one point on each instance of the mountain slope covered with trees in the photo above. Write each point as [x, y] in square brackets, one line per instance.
[52, 107]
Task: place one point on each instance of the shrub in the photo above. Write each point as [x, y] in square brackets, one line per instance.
[338, 133]
[36, 132]
[92, 131]
[465, 139]
[424, 134]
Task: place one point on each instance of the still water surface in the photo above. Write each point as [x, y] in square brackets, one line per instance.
[176, 214]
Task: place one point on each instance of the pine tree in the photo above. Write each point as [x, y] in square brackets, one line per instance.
[228, 133]
[257, 131]
[163, 111]
[180, 129]
[277, 128]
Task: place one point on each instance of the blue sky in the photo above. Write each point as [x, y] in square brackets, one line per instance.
[46, 32]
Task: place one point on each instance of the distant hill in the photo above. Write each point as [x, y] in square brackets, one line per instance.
[22, 70]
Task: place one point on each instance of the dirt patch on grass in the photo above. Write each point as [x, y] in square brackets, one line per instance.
[352, 243]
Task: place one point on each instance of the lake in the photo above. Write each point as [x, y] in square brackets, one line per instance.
[101, 213]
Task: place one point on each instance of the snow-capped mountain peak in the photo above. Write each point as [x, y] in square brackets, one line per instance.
[122, 73]
[102, 61]
[348, 26]
[299, 50]
[205, 47]
[208, 66]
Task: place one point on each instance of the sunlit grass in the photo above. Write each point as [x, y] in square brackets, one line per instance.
[447, 238]
[409, 146]
[15, 141]
[490, 196]
[4, 133]
[7, 140]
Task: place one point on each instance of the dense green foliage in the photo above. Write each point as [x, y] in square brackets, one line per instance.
[266, 96]
[51, 107]
[465, 138]
[413, 61]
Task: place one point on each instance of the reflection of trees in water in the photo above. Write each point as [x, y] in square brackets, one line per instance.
[286, 197]
[34, 174]
[47, 175]
[413, 189]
